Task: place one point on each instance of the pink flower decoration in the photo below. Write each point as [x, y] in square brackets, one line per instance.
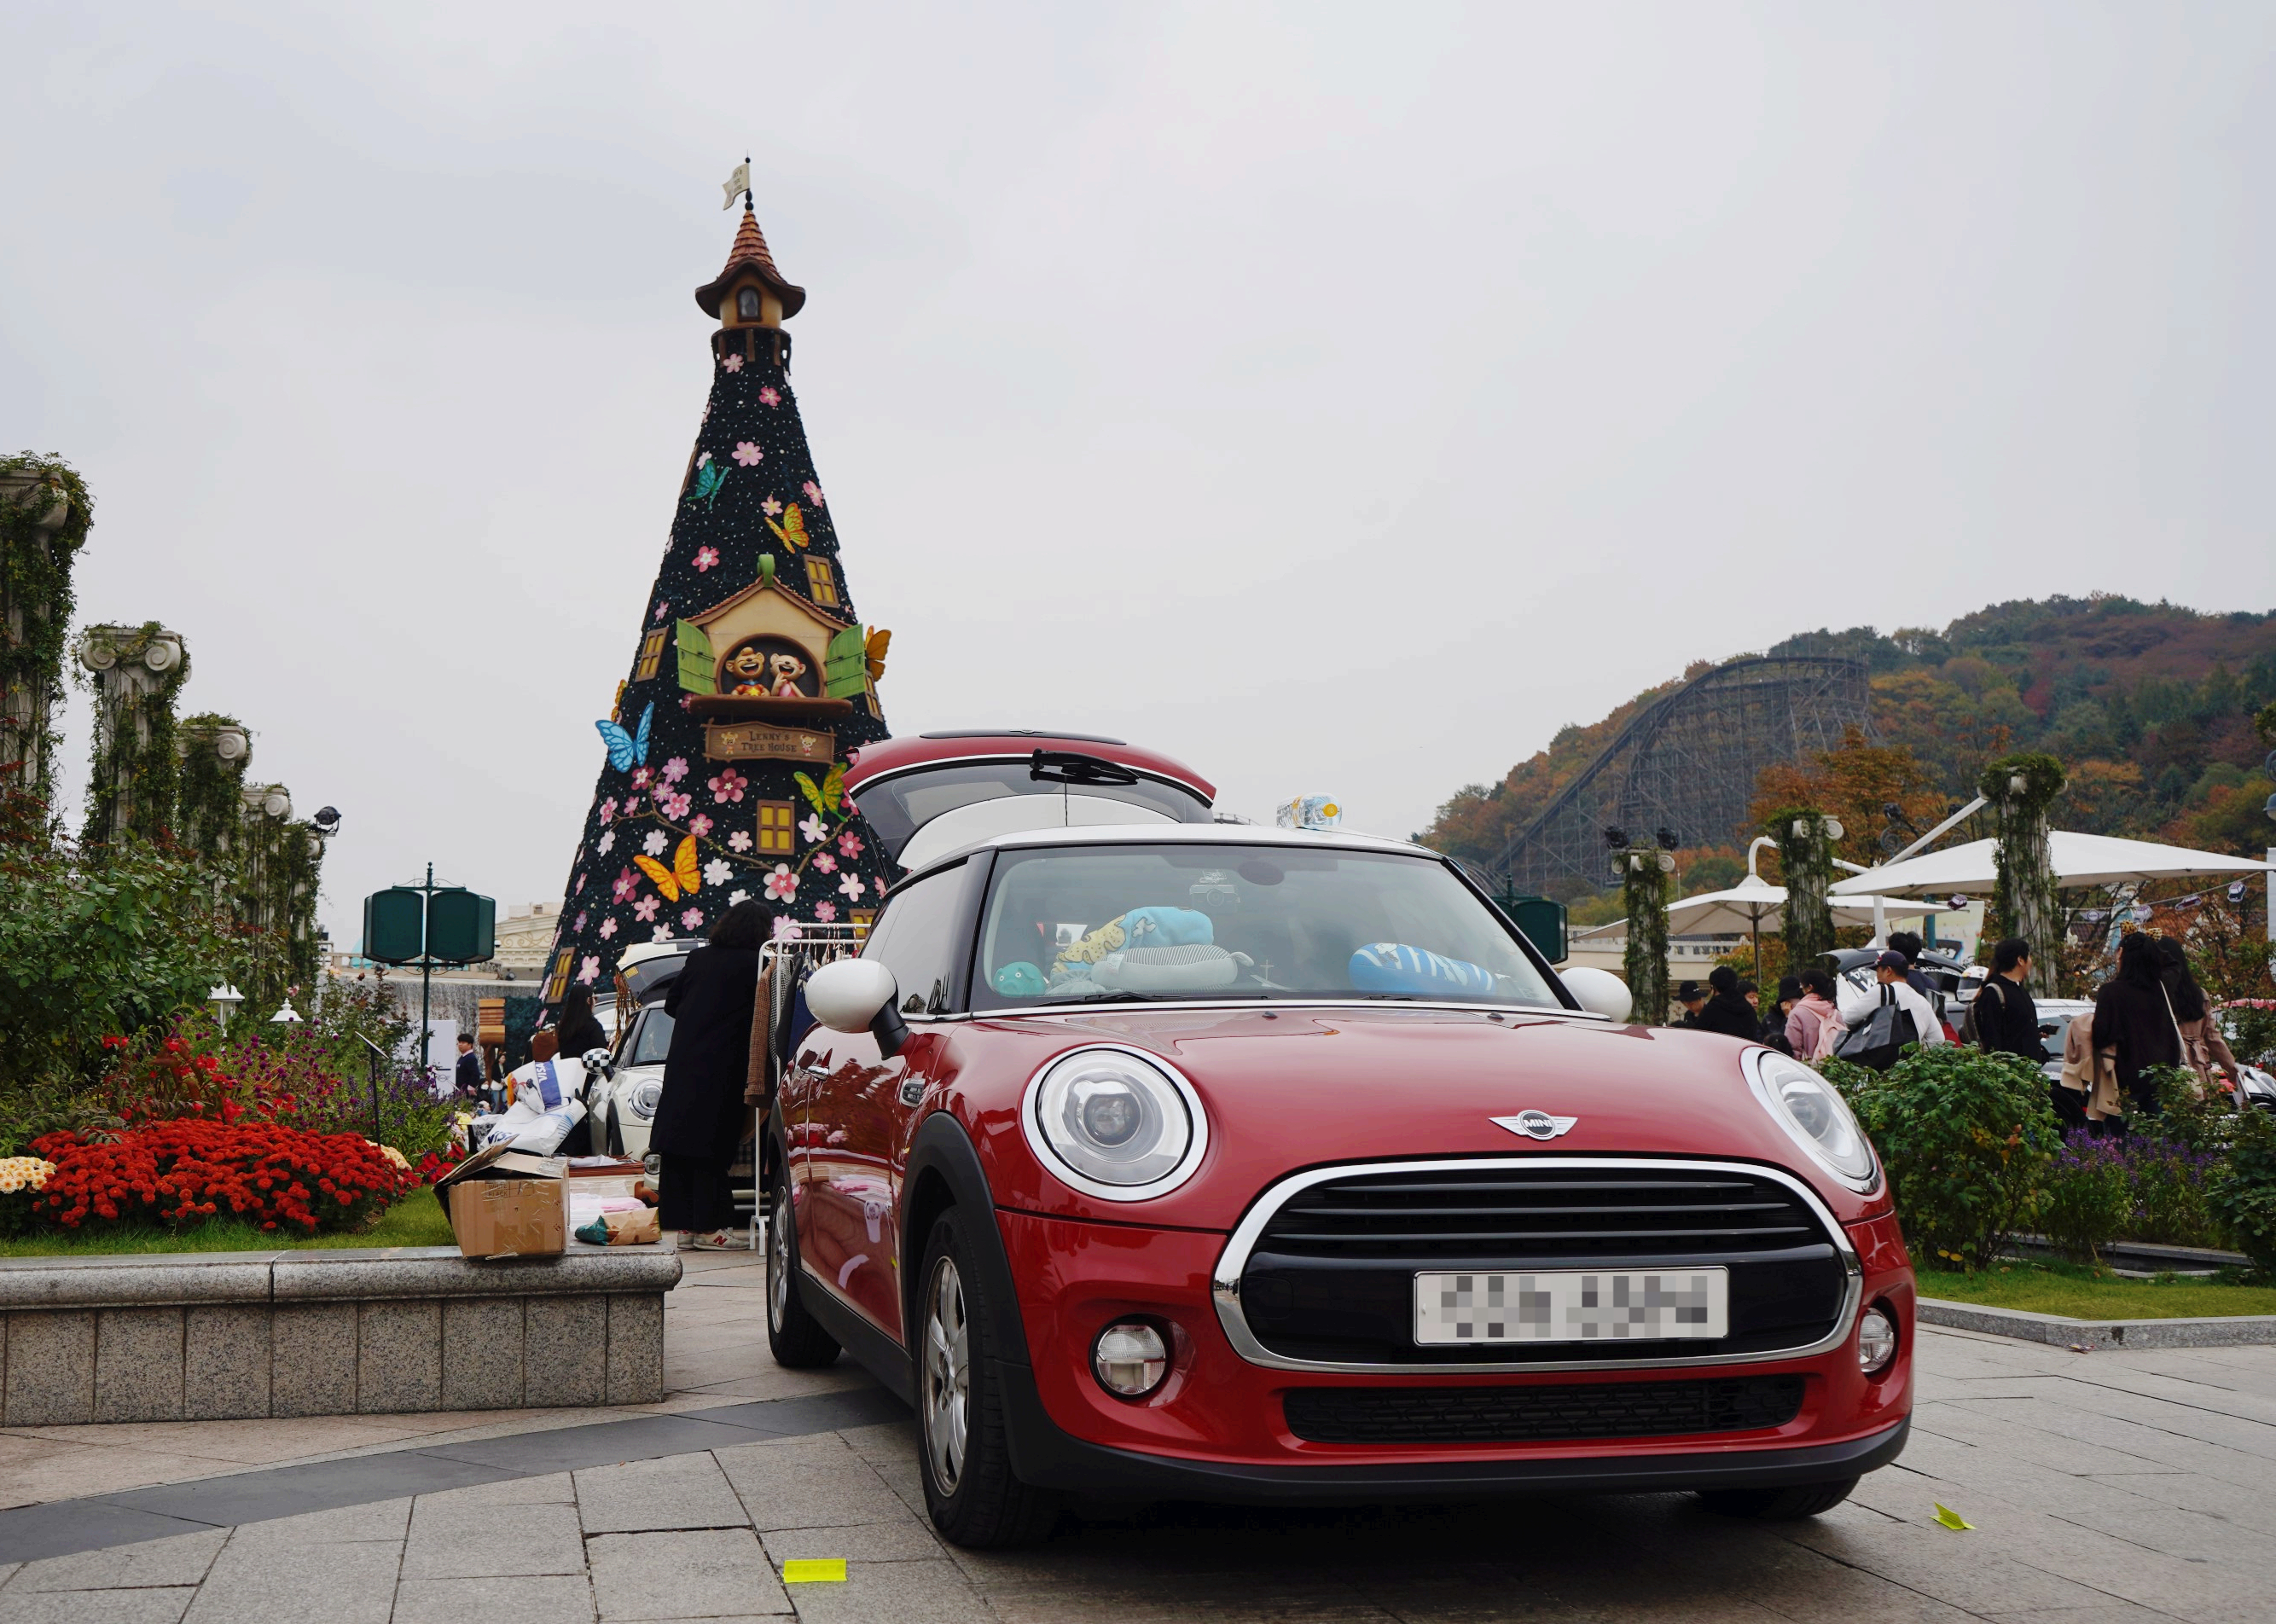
[662, 933]
[675, 770]
[673, 805]
[740, 841]
[645, 908]
[782, 885]
[786, 929]
[661, 606]
[701, 458]
[813, 492]
[728, 785]
[579, 885]
[747, 454]
[812, 830]
[852, 885]
[699, 825]
[622, 891]
[608, 929]
[642, 776]
[768, 397]
[734, 363]
[608, 810]
[705, 558]
[589, 969]
[580, 926]
[849, 843]
[630, 802]
[825, 863]
[771, 508]
[826, 911]
[692, 919]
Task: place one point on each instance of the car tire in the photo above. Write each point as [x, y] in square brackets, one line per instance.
[1804, 1499]
[971, 1491]
[616, 1132]
[794, 1337]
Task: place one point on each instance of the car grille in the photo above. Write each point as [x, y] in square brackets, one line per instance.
[1540, 1415]
[1514, 1214]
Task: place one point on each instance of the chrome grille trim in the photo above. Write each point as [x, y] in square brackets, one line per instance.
[1225, 1285]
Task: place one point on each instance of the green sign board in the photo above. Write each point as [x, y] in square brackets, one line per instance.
[461, 927]
[395, 925]
[405, 924]
[1542, 920]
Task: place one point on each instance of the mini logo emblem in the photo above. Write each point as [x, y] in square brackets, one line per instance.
[1536, 1124]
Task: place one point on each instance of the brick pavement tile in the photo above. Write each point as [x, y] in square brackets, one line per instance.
[1929, 1559]
[1971, 1423]
[78, 1471]
[2104, 1613]
[905, 1540]
[677, 1491]
[807, 1483]
[494, 1601]
[927, 1592]
[1227, 1598]
[155, 1606]
[553, 1489]
[697, 1574]
[182, 1559]
[282, 1582]
[249, 1443]
[2198, 1492]
[461, 1542]
[381, 1522]
[8, 1571]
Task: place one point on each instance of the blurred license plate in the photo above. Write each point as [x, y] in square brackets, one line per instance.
[1573, 1305]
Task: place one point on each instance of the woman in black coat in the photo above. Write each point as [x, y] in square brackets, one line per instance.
[578, 1031]
[2131, 1015]
[1727, 1011]
[701, 1117]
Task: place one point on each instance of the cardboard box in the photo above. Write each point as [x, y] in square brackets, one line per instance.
[505, 1202]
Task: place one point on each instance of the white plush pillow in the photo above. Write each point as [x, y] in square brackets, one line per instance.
[1167, 969]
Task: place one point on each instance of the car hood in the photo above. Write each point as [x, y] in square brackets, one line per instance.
[1299, 1087]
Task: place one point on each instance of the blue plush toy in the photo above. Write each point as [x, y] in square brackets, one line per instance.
[1393, 967]
[1019, 979]
[1167, 927]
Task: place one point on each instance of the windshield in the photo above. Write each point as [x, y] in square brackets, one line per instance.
[1114, 924]
[652, 1044]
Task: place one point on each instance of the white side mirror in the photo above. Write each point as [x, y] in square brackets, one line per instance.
[846, 995]
[1600, 992]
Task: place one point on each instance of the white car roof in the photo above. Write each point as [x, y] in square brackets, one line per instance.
[1184, 834]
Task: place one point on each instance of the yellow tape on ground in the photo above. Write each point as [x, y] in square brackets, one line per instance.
[814, 1570]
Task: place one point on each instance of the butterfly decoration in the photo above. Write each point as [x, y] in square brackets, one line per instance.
[627, 750]
[825, 799]
[791, 531]
[708, 478]
[879, 642]
[681, 877]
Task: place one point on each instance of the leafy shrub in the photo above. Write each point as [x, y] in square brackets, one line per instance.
[2171, 1188]
[179, 1173]
[2090, 1196]
[1967, 1139]
[2251, 1025]
[2242, 1193]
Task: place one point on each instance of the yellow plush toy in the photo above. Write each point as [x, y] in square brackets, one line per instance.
[1091, 949]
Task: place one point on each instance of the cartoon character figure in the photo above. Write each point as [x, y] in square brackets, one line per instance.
[788, 668]
[747, 668]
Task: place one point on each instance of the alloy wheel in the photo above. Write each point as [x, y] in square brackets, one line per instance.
[778, 1263]
[947, 1376]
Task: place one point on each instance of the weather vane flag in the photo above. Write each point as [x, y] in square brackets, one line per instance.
[739, 181]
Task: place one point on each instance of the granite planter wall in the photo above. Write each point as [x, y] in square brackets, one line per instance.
[218, 1336]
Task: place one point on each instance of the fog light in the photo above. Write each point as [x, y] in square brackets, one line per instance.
[1876, 1339]
[1130, 1359]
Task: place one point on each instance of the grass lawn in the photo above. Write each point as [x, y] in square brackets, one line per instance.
[2084, 1293]
[415, 1220]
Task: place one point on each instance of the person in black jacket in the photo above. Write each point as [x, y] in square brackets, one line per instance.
[701, 1117]
[578, 1031]
[2007, 1020]
[1726, 1010]
[2131, 1015]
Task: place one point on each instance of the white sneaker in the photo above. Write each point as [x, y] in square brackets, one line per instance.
[719, 1240]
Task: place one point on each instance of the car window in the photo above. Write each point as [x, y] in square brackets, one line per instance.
[917, 938]
[652, 1041]
[1103, 923]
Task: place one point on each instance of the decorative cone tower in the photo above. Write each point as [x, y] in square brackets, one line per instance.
[750, 681]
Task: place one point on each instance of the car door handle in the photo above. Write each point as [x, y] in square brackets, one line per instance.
[912, 1091]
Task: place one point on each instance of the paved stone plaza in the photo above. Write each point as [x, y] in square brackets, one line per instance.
[2103, 1487]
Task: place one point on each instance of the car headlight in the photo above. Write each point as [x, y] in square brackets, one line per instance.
[1815, 1117]
[1115, 1123]
[641, 1099]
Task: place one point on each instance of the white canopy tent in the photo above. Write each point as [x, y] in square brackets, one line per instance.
[1755, 906]
[2078, 860]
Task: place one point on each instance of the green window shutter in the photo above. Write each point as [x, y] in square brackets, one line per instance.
[696, 673]
[846, 670]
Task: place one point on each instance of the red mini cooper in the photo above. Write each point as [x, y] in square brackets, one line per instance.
[1156, 1158]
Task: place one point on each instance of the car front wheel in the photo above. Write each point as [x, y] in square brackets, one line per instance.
[794, 1337]
[970, 1489]
[1804, 1499]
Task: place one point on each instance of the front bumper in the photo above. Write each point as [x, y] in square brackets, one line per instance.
[1217, 1430]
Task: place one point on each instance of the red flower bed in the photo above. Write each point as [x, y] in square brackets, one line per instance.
[181, 1173]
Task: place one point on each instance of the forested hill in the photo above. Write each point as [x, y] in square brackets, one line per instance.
[2149, 705]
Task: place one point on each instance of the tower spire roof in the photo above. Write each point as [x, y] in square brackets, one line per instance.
[750, 255]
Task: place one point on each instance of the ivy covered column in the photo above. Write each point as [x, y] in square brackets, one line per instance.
[2026, 898]
[44, 513]
[1805, 842]
[277, 873]
[209, 805]
[136, 673]
[1644, 871]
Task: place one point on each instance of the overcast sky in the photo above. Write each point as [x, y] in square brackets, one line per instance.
[1338, 397]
